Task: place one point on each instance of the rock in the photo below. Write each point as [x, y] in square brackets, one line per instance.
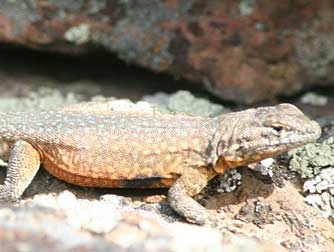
[276, 214]
[34, 227]
[310, 159]
[244, 51]
[42, 99]
[314, 99]
[229, 181]
[315, 162]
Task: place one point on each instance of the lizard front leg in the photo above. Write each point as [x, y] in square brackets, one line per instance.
[23, 164]
[180, 196]
[188, 185]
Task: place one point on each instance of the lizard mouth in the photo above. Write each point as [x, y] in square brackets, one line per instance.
[291, 141]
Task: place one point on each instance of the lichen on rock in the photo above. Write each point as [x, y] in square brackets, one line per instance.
[315, 163]
[186, 102]
[311, 158]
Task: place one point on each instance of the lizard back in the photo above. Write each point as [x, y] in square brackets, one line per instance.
[115, 149]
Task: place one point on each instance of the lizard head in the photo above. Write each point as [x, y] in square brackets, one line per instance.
[255, 134]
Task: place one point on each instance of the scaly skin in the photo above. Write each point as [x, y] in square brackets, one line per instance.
[89, 145]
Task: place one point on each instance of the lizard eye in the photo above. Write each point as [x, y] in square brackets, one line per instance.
[277, 128]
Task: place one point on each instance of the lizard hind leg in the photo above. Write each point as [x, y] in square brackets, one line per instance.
[188, 185]
[24, 162]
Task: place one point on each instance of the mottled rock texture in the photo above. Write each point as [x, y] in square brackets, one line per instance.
[58, 227]
[242, 50]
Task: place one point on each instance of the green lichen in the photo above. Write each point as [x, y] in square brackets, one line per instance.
[315, 163]
[311, 158]
[186, 102]
[78, 34]
[246, 7]
[314, 99]
[42, 99]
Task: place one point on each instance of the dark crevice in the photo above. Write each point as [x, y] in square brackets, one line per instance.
[100, 68]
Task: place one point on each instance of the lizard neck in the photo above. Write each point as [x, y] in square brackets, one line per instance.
[223, 137]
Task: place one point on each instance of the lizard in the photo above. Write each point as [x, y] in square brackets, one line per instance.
[89, 145]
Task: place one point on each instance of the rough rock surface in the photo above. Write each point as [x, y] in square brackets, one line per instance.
[242, 50]
[57, 216]
[65, 223]
[315, 163]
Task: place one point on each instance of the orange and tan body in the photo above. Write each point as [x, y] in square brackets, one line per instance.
[102, 148]
[125, 150]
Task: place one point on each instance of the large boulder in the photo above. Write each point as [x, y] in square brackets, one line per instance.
[244, 50]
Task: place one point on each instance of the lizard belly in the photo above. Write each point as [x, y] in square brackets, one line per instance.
[114, 173]
[123, 152]
[105, 182]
